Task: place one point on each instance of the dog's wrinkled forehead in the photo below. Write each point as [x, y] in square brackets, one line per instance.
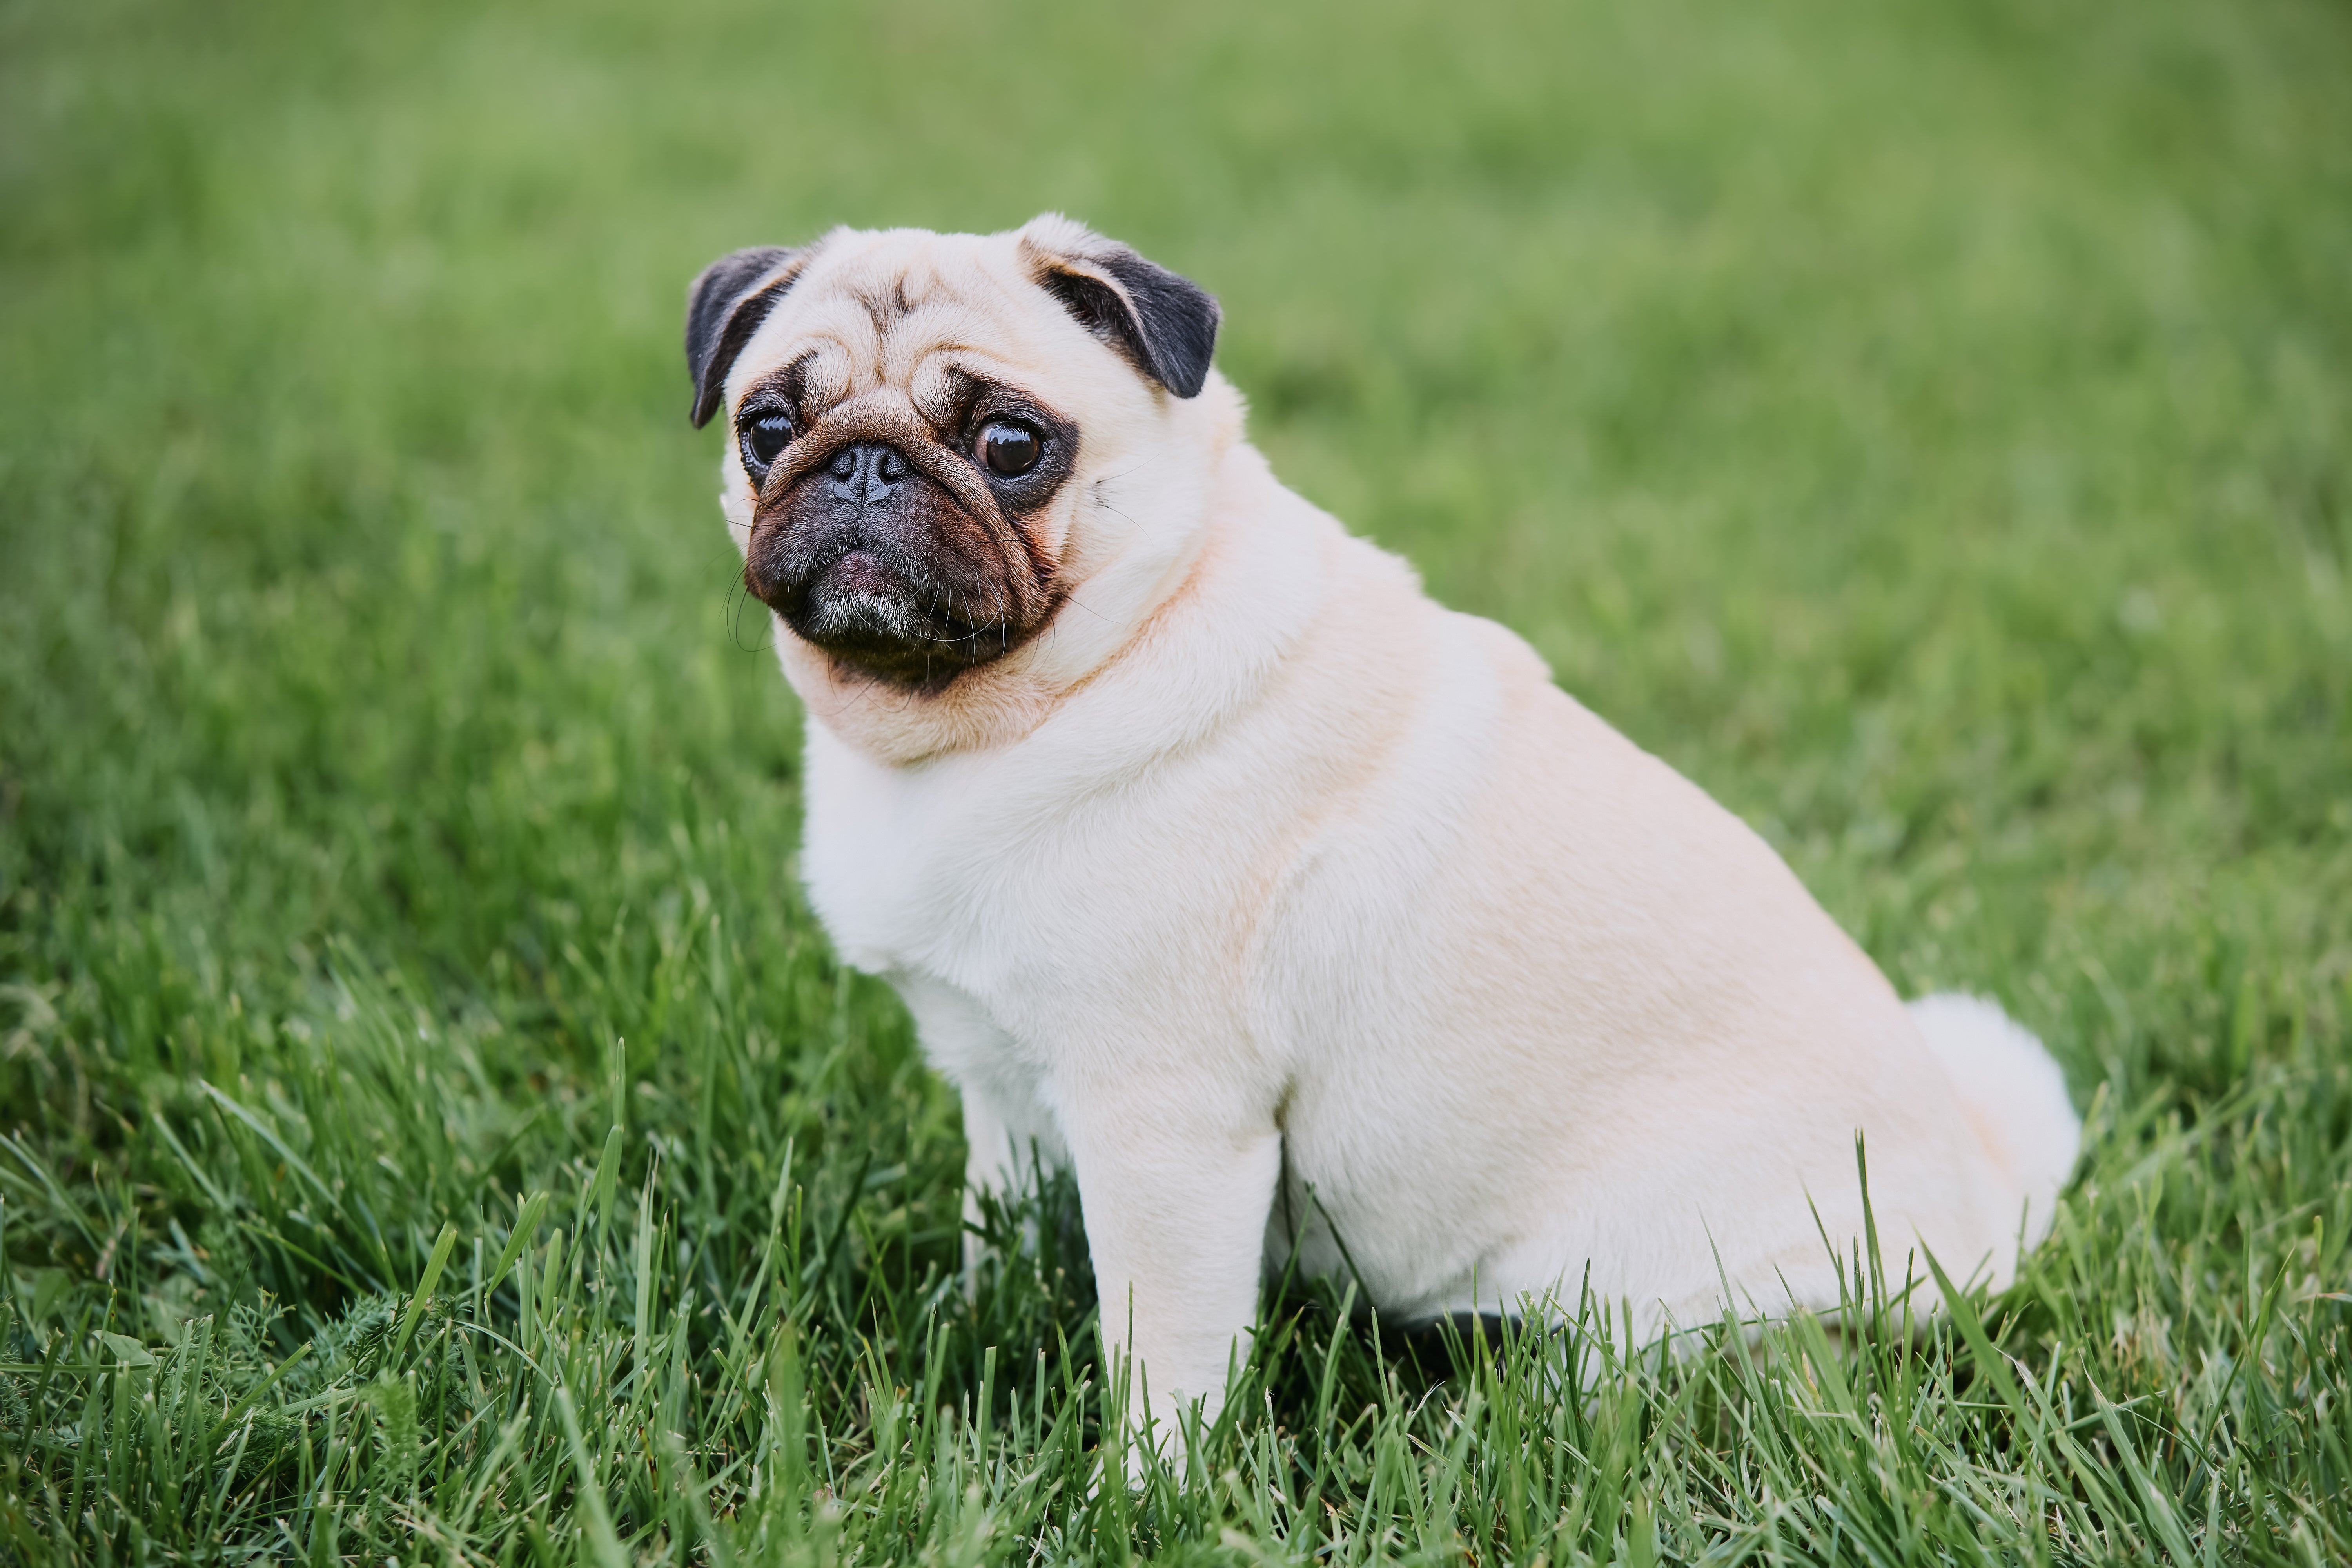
[856, 311]
[897, 310]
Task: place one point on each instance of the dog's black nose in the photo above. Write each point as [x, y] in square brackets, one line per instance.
[866, 471]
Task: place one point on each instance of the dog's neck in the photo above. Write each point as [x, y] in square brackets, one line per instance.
[1140, 538]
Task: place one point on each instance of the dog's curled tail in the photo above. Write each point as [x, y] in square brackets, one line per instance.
[2012, 1092]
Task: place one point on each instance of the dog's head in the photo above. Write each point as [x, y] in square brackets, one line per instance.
[924, 428]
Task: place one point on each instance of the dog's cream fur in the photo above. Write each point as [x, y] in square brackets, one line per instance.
[1258, 869]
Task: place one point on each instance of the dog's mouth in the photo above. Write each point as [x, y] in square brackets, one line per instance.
[894, 618]
[861, 570]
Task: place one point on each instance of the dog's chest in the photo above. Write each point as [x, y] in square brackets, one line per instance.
[1055, 903]
[931, 882]
[958, 870]
[890, 862]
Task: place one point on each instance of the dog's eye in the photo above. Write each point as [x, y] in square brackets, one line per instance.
[1010, 450]
[762, 439]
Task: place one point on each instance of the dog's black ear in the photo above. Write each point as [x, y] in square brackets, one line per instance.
[1165, 324]
[724, 308]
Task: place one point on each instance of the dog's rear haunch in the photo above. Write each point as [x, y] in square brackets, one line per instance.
[1216, 859]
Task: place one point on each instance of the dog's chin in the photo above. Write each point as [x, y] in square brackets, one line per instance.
[867, 617]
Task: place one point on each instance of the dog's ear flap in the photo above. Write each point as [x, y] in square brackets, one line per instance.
[1165, 325]
[725, 306]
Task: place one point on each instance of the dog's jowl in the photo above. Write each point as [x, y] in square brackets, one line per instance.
[1212, 858]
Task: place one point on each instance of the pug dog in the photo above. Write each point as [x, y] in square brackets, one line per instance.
[1304, 919]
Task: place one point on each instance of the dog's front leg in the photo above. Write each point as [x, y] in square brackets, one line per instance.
[1010, 1135]
[988, 1169]
[1176, 1196]
[1011, 1143]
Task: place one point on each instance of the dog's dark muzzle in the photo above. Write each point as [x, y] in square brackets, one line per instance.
[870, 556]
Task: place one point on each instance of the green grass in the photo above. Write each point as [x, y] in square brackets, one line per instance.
[1927, 425]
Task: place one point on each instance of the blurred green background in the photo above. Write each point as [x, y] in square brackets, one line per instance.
[1925, 424]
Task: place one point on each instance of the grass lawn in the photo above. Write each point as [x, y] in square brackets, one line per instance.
[435, 1129]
